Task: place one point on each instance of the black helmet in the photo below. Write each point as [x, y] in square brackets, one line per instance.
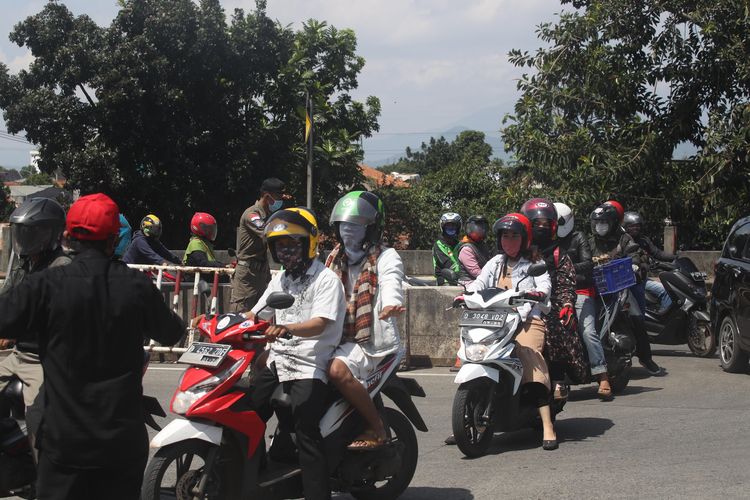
[604, 214]
[477, 227]
[631, 218]
[37, 226]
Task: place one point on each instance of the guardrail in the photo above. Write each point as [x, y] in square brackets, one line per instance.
[175, 274]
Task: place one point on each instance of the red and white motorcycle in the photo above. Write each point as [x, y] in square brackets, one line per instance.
[218, 450]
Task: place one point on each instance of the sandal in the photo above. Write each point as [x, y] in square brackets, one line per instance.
[561, 391]
[367, 441]
[605, 393]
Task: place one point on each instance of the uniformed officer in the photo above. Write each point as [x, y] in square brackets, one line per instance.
[253, 272]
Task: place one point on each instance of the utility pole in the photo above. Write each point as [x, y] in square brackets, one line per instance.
[309, 144]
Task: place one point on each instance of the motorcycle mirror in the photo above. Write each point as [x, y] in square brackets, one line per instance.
[537, 269]
[279, 300]
[449, 275]
[232, 252]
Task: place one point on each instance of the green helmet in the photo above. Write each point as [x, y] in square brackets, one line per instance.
[360, 207]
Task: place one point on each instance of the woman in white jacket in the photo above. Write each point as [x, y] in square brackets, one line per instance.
[373, 281]
[513, 234]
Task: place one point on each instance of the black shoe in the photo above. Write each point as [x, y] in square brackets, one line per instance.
[450, 440]
[549, 444]
[651, 367]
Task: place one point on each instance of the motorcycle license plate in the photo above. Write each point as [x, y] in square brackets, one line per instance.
[698, 276]
[205, 354]
[482, 318]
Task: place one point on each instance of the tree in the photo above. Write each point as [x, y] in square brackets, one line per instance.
[621, 86]
[173, 110]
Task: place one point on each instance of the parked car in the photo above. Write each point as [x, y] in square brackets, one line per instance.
[730, 302]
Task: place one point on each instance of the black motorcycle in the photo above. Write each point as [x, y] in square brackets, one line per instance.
[687, 319]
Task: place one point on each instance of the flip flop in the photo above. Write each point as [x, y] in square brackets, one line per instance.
[605, 394]
[366, 442]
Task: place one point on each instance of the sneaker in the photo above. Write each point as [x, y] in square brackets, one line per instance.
[450, 440]
[651, 366]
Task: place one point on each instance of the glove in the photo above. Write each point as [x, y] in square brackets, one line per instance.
[458, 301]
[568, 316]
[535, 295]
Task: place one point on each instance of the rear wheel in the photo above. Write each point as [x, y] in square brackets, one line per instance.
[401, 432]
[176, 468]
[733, 359]
[472, 431]
[701, 340]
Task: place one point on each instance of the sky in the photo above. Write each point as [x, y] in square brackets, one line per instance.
[434, 64]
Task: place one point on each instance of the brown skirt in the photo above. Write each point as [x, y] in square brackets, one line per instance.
[529, 348]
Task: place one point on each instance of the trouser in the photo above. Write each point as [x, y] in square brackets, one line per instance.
[308, 399]
[642, 343]
[27, 367]
[658, 289]
[248, 284]
[60, 482]
[586, 311]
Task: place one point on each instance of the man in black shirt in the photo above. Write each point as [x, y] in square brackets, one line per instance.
[90, 318]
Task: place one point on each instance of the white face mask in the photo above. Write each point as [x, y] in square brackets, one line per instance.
[601, 228]
[353, 239]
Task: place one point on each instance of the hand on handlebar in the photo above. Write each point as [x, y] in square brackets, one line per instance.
[195, 321]
[7, 343]
[534, 295]
[273, 332]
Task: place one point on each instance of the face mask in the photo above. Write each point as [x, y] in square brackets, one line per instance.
[353, 239]
[601, 228]
[291, 258]
[541, 237]
[276, 205]
[450, 231]
[511, 247]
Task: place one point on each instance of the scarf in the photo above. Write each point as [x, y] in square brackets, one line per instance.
[359, 307]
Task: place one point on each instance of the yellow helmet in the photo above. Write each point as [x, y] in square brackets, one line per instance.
[151, 226]
[298, 223]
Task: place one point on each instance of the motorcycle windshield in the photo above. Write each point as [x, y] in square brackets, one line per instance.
[686, 265]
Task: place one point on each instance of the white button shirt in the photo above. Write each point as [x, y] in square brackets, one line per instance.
[317, 294]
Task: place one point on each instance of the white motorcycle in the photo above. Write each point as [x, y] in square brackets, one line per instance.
[490, 397]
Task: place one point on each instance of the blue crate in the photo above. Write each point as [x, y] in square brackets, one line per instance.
[614, 276]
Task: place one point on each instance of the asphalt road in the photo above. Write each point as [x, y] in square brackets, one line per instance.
[684, 435]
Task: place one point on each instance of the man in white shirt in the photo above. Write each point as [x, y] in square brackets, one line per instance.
[373, 282]
[313, 325]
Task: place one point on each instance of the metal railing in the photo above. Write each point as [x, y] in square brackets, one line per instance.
[165, 275]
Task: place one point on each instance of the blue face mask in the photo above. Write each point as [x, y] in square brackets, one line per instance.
[450, 231]
[276, 205]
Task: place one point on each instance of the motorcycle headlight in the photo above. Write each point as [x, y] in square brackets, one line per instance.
[488, 340]
[183, 400]
[476, 352]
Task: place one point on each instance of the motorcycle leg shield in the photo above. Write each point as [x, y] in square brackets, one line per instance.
[182, 430]
[472, 371]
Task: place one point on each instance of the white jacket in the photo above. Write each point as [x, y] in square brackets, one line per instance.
[390, 292]
[491, 273]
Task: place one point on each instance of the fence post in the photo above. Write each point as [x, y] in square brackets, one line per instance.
[670, 236]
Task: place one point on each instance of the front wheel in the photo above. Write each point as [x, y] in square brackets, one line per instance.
[733, 358]
[701, 340]
[402, 435]
[175, 470]
[471, 428]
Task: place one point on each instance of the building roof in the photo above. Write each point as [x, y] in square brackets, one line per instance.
[376, 178]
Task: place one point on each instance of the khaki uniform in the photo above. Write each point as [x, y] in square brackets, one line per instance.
[253, 273]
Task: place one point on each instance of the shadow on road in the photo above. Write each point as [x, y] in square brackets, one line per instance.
[428, 493]
[680, 354]
[589, 393]
[639, 373]
[581, 428]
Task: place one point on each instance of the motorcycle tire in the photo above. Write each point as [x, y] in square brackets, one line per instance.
[700, 339]
[178, 453]
[400, 430]
[468, 404]
[619, 381]
[733, 359]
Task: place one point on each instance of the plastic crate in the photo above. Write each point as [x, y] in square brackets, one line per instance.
[614, 276]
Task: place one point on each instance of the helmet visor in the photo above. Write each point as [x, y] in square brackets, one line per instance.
[31, 240]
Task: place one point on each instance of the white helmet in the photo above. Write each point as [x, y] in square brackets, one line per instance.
[565, 220]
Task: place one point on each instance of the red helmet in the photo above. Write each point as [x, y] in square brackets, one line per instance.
[541, 208]
[518, 223]
[203, 225]
[618, 208]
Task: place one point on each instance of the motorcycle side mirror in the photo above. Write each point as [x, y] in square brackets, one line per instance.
[537, 269]
[204, 288]
[279, 300]
[450, 275]
[232, 252]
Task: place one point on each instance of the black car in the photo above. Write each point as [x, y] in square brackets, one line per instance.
[730, 303]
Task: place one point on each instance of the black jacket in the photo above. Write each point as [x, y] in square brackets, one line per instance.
[614, 246]
[92, 316]
[577, 247]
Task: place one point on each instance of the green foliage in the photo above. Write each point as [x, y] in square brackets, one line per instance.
[468, 183]
[6, 205]
[171, 109]
[620, 86]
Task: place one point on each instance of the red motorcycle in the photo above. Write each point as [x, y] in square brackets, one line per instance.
[218, 450]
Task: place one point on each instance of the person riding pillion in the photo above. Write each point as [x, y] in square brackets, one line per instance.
[314, 324]
[146, 247]
[445, 251]
[473, 252]
[253, 272]
[372, 275]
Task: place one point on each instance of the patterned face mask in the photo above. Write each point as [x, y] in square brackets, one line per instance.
[291, 257]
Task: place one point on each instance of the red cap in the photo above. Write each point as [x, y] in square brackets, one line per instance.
[93, 217]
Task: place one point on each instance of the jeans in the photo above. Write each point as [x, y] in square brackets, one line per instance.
[586, 311]
[658, 289]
